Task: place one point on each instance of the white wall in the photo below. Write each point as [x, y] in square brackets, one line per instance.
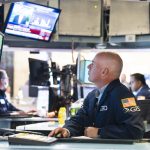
[134, 61]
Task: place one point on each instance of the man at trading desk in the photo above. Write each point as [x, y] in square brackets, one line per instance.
[110, 111]
[6, 108]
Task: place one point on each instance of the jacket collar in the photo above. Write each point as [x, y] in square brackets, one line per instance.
[109, 88]
[2, 93]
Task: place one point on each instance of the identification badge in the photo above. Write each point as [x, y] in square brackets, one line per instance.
[2, 101]
[103, 108]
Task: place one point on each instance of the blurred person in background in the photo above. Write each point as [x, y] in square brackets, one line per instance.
[6, 108]
[139, 87]
[123, 80]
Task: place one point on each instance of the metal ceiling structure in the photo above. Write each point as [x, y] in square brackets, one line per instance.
[9, 1]
[111, 22]
[65, 39]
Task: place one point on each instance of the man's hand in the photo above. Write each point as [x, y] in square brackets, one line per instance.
[32, 112]
[15, 113]
[91, 132]
[62, 131]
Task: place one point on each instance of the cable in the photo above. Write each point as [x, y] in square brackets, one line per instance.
[72, 48]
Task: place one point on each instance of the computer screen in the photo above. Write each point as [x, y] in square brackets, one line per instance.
[31, 20]
[39, 72]
[1, 44]
[83, 71]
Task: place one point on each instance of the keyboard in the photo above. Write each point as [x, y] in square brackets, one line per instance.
[30, 139]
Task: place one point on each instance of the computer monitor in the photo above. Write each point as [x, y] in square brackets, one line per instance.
[39, 72]
[83, 71]
[31, 20]
[1, 43]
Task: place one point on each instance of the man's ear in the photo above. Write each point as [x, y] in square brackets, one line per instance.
[139, 83]
[105, 71]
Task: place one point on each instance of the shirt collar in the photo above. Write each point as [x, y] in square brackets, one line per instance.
[138, 90]
[101, 91]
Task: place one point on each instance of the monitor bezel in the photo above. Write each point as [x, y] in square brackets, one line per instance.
[1, 48]
[34, 39]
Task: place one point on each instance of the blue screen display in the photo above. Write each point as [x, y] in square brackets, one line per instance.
[31, 20]
[83, 71]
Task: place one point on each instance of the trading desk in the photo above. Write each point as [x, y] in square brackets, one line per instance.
[47, 126]
[43, 127]
[78, 146]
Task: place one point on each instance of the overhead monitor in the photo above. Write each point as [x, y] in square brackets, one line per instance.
[1, 44]
[31, 20]
[124, 19]
[81, 17]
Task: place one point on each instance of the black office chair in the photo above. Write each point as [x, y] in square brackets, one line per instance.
[145, 109]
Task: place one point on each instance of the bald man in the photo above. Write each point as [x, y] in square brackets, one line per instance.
[111, 110]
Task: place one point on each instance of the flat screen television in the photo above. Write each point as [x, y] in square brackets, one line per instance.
[39, 72]
[31, 20]
[1, 44]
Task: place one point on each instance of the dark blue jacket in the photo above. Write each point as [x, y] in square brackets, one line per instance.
[113, 120]
[5, 106]
[145, 91]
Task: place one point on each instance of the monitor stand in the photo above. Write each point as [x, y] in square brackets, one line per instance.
[42, 102]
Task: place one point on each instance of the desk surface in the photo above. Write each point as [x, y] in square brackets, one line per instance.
[45, 126]
[7, 122]
[78, 146]
[29, 119]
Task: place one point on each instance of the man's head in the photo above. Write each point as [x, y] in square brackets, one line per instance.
[105, 67]
[137, 80]
[123, 78]
[4, 81]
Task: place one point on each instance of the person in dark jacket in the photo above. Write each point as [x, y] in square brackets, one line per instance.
[139, 86]
[6, 108]
[110, 111]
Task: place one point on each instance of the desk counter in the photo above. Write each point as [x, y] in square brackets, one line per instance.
[45, 126]
[78, 146]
